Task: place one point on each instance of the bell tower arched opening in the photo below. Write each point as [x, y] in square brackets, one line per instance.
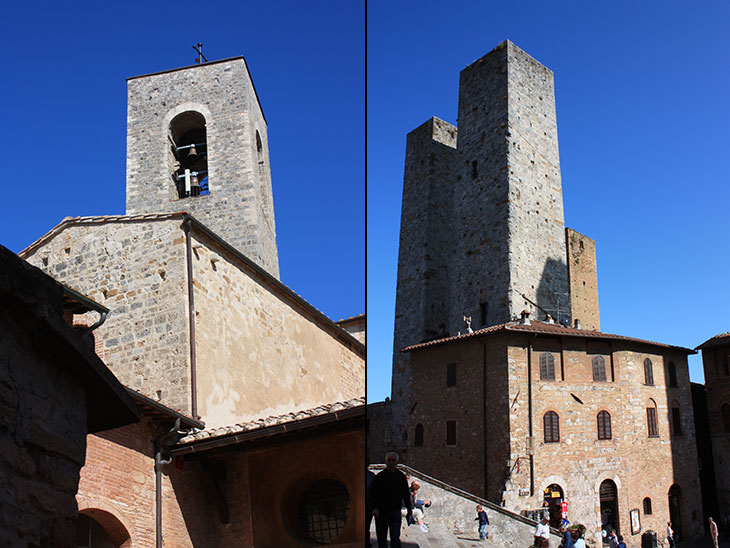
[189, 154]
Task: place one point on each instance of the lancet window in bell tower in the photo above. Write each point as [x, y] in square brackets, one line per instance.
[189, 154]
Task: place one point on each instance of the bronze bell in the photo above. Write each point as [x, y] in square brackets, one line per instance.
[192, 154]
[194, 185]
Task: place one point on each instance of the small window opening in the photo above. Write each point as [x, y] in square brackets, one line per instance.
[647, 506]
[672, 374]
[648, 372]
[599, 369]
[450, 432]
[484, 310]
[547, 367]
[259, 145]
[323, 511]
[604, 425]
[418, 438]
[474, 170]
[651, 420]
[189, 151]
[450, 375]
[551, 427]
[725, 412]
[676, 421]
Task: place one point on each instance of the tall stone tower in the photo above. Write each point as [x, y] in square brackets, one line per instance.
[482, 229]
[197, 142]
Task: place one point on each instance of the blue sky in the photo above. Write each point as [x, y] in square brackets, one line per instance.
[64, 122]
[642, 105]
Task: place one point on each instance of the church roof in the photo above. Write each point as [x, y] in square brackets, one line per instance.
[718, 340]
[542, 328]
[271, 426]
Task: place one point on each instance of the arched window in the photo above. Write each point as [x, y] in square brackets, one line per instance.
[648, 372]
[651, 424]
[418, 438]
[676, 420]
[551, 427]
[97, 528]
[599, 369]
[647, 506]
[189, 154]
[672, 374]
[547, 367]
[725, 412]
[604, 425]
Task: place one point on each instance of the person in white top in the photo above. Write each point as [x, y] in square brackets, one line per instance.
[542, 534]
[670, 535]
[714, 535]
[580, 542]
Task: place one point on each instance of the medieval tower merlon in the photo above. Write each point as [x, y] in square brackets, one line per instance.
[422, 301]
[197, 142]
[508, 196]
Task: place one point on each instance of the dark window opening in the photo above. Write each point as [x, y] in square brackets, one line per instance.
[672, 374]
[418, 438]
[648, 372]
[604, 425]
[484, 310]
[651, 422]
[547, 367]
[259, 146]
[676, 422]
[725, 412]
[647, 506]
[91, 534]
[450, 432]
[551, 427]
[599, 369]
[726, 372]
[474, 170]
[323, 511]
[450, 374]
[189, 151]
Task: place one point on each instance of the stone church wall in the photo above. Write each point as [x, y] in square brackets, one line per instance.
[137, 270]
[258, 353]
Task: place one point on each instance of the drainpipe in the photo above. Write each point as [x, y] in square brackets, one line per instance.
[529, 414]
[484, 413]
[191, 320]
[162, 442]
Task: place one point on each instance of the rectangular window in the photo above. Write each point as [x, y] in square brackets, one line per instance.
[484, 310]
[450, 432]
[651, 422]
[676, 422]
[450, 374]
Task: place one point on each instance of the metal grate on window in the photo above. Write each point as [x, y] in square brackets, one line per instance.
[323, 510]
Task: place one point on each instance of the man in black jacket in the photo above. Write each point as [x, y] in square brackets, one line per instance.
[390, 492]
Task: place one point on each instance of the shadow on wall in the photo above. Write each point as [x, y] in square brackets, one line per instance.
[553, 295]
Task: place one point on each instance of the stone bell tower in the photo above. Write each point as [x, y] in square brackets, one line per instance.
[197, 142]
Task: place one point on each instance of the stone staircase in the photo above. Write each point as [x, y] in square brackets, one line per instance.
[451, 519]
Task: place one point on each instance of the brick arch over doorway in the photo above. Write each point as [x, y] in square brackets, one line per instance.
[118, 532]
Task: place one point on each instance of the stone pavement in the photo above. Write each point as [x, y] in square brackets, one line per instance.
[438, 536]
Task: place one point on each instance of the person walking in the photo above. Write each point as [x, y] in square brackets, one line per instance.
[567, 537]
[542, 533]
[613, 540]
[714, 533]
[483, 522]
[390, 492]
[670, 535]
[580, 541]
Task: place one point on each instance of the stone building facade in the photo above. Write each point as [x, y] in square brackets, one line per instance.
[716, 363]
[201, 329]
[53, 391]
[482, 226]
[600, 421]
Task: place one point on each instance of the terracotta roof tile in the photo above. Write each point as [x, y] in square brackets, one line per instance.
[276, 420]
[718, 340]
[542, 328]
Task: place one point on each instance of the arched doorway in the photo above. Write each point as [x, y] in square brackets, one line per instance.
[99, 529]
[675, 510]
[554, 497]
[608, 496]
